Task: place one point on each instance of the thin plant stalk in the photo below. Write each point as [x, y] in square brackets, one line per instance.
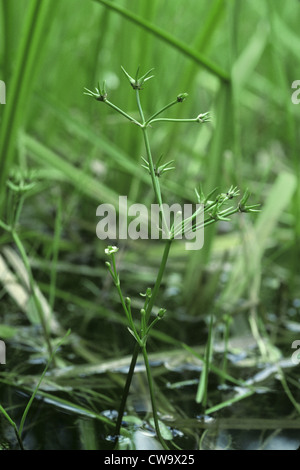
[152, 397]
[137, 348]
[201, 396]
[154, 179]
[157, 191]
[161, 111]
[227, 320]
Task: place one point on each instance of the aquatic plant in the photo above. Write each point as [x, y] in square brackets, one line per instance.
[213, 209]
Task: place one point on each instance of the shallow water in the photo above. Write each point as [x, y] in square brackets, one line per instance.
[264, 420]
[76, 406]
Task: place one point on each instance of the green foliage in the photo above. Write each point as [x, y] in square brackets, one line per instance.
[236, 59]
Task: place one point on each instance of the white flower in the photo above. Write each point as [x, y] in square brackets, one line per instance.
[111, 249]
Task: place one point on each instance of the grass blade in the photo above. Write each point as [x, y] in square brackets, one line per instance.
[278, 200]
[170, 39]
[11, 421]
[80, 180]
[221, 141]
[30, 50]
[39, 383]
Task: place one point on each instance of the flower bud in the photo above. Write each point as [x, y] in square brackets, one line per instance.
[161, 312]
[181, 97]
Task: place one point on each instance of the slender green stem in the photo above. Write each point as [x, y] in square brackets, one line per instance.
[119, 110]
[143, 325]
[201, 209]
[152, 397]
[228, 320]
[126, 392]
[138, 100]
[127, 311]
[161, 111]
[154, 179]
[18, 210]
[173, 120]
[214, 212]
[158, 279]
[287, 389]
[152, 324]
[148, 151]
[201, 396]
[151, 168]
[137, 346]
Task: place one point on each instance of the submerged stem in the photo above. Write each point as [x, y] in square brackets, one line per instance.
[126, 392]
[152, 396]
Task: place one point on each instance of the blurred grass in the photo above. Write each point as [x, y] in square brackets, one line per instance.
[67, 132]
[240, 70]
[22, 80]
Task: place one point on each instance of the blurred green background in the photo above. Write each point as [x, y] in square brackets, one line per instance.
[236, 59]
